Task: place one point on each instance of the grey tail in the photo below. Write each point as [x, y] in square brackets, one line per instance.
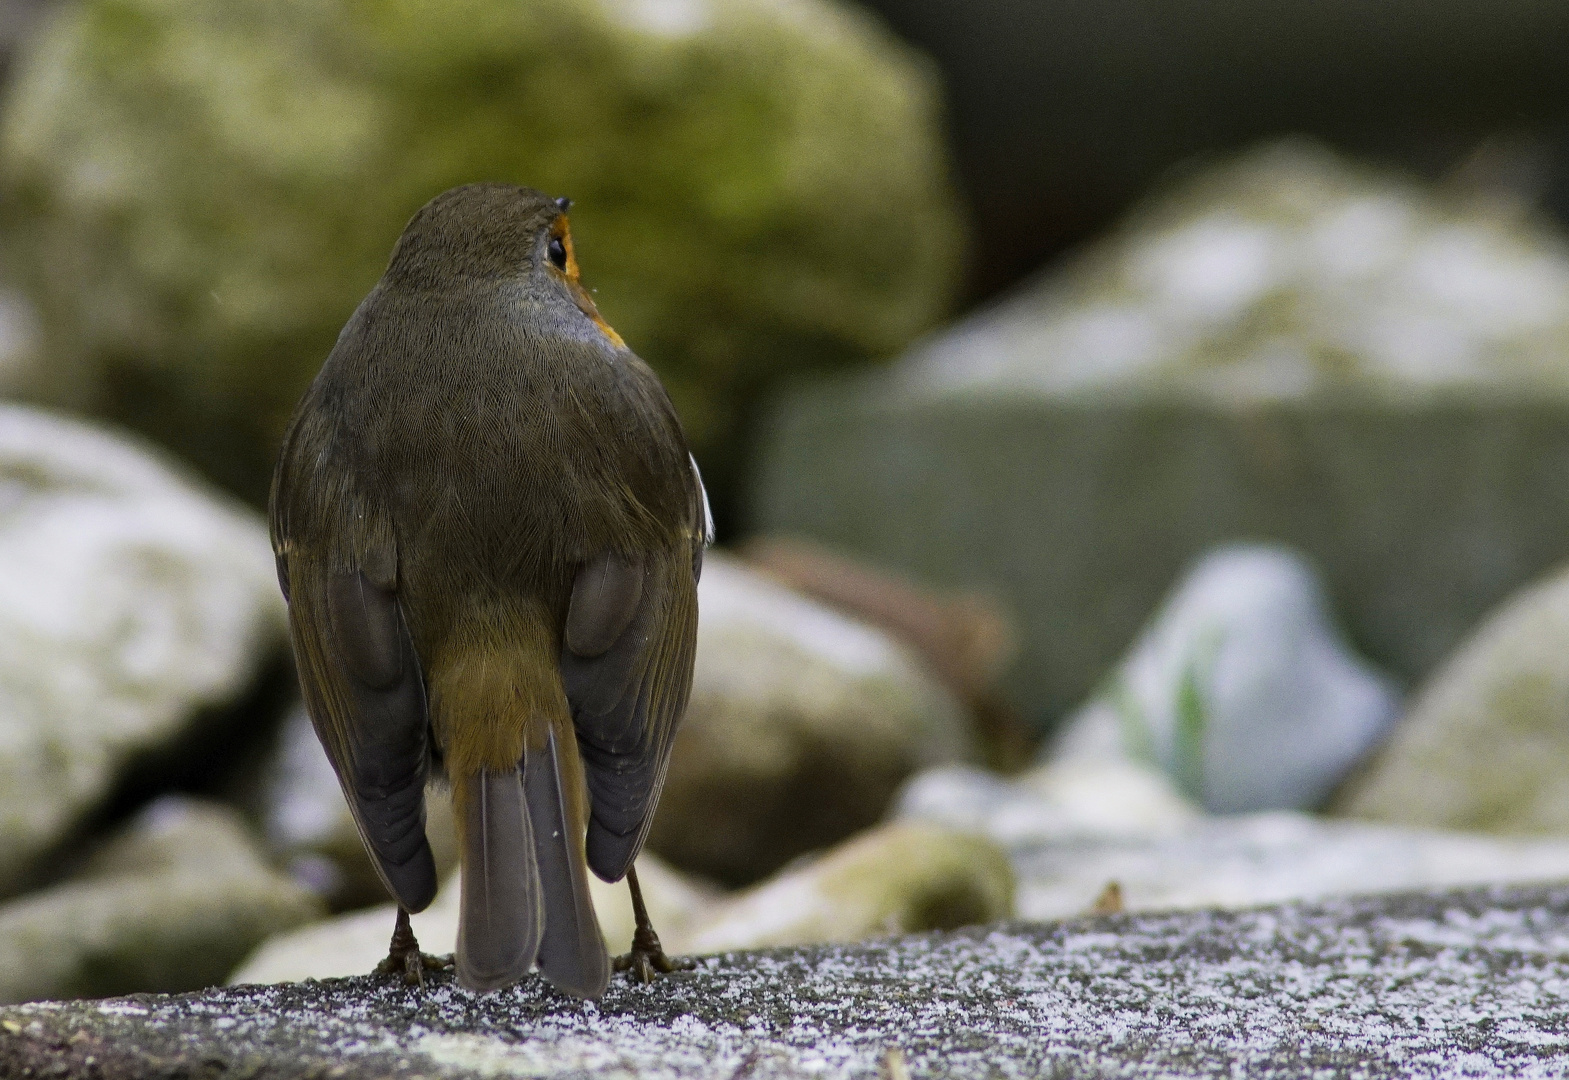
[572, 955]
[500, 917]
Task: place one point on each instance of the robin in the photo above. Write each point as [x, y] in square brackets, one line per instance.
[489, 532]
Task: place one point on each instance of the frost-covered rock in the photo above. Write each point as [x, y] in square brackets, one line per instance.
[131, 601]
[1072, 827]
[1287, 347]
[170, 903]
[309, 825]
[1486, 743]
[902, 877]
[1465, 984]
[355, 943]
[1241, 689]
[199, 192]
[802, 724]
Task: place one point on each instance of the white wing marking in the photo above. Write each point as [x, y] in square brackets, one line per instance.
[708, 514]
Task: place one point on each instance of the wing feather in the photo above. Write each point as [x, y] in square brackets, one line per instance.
[360, 675]
[626, 702]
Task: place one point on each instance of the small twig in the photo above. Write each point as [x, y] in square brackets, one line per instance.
[1109, 902]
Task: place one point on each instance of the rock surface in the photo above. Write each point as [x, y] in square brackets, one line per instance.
[1484, 744]
[802, 724]
[967, 640]
[355, 943]
[1241, 689]
[200, 194]
[1466, 984]
[1072, 828]
[130, 601]
[171, 903]
[1287, 348]
[900, 878]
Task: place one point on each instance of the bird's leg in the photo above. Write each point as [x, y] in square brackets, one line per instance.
[647, 957]
[404, 957]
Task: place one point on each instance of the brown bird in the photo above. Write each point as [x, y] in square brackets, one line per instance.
[489, 532]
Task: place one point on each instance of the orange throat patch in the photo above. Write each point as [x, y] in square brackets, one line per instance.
[585, 303]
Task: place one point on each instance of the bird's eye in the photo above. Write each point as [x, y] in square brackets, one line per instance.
[558, 253]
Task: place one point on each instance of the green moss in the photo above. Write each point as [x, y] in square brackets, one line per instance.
[200, 192]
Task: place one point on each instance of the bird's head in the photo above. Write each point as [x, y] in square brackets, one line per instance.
[482, 235]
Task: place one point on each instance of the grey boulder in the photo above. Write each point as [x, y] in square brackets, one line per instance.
[803, 722]
[172, 902]
[1285, 347]
[131, 602]
[1241, 689]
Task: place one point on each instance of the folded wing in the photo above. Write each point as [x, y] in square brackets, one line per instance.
[626, 662]
[361, 679]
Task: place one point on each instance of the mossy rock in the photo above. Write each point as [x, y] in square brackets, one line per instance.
[171, 902]
[1484, 743]
[198, 193]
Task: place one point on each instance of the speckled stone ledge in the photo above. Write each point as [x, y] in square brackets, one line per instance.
[1469, 983]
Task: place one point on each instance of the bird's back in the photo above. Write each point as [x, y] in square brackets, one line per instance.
[506, 455]
[483, 482]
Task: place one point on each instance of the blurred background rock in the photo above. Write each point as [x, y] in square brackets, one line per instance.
[1288, 346]
[173, 901]
[801, 727]
[1485, 743]
[1215, 561]
[1239, 689]
[1064, 113]
[141, 628]
[200, 193]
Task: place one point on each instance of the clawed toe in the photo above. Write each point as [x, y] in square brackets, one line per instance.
[647, 964]
[404, 957]
[647, 958]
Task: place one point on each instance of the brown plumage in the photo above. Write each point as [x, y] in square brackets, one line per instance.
[489, 531]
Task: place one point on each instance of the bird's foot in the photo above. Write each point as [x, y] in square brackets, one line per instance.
[647, 960]
[412, 966]
[404, 957]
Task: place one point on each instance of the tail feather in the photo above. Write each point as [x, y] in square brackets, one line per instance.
[572, 954]
[501, 914]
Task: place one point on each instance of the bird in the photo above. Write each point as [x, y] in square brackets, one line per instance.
[489, 530]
